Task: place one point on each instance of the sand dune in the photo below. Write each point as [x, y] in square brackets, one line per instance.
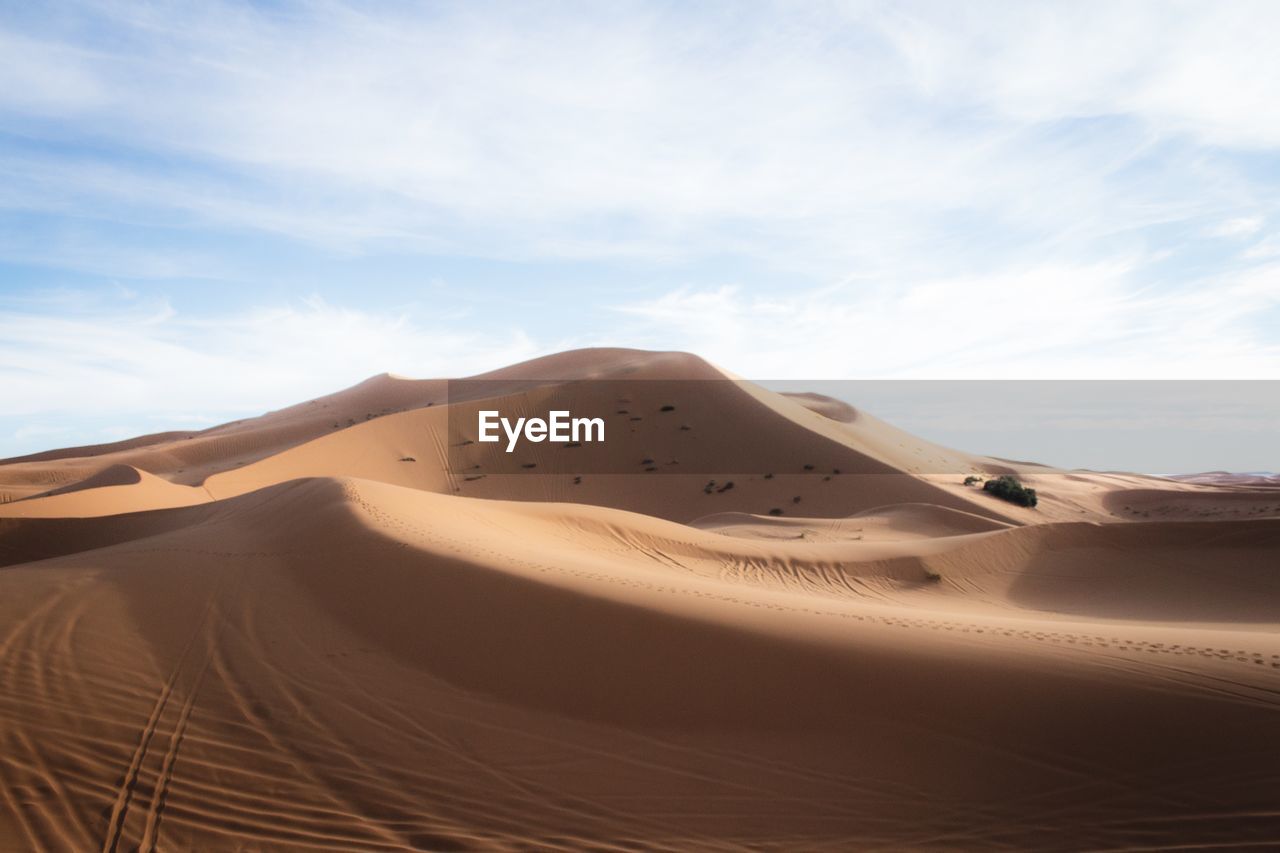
[1230, 502]
[895, 522]
[342, 642]
[1228, 478]
[786, 461]
[113, 490]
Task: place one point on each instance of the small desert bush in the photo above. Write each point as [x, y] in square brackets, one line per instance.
[1008, 488]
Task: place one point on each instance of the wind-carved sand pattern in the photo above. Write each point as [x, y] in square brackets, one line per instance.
[280, 634]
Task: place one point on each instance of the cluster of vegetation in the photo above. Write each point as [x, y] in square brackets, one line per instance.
[1009, 489]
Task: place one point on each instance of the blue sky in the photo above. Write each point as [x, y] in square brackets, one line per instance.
[211, 209]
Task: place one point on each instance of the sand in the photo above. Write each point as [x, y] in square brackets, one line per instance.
[281, 634]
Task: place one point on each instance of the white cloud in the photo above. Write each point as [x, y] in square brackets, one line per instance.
[1179, 66]
[31, 431]
[1240, 227]
[1002, 189]
[823, 138]
[1044, 322]
[46, 78]
[134, 359]
[1268, 247]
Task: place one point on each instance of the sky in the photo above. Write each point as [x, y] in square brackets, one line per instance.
[212, 209]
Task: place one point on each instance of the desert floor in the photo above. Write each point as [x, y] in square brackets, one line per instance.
[337, 627]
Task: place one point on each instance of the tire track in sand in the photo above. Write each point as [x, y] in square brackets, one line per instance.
[129, 782]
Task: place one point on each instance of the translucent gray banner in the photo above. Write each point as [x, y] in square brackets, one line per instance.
[828, 428]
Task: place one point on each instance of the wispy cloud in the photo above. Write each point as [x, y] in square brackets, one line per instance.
[89, 356]
[1244, 226]
[814, 138]
[1266, 248]
[1048, 321]
[1200, 69]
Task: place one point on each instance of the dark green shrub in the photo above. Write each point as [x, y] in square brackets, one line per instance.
[972, 479]
[1009, 489]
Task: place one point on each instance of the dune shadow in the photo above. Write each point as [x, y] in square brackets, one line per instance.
[1220, 572]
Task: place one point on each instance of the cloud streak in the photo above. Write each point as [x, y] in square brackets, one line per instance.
[812, 139]
[1045, 322]
[84, 355]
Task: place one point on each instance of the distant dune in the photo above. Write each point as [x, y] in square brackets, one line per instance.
[747, 620]
[1227, 478]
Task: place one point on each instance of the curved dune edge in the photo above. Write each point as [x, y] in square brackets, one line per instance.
[893, 522]
[116, 475]
[115, 490]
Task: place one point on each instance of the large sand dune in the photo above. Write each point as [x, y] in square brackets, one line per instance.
[284, 633]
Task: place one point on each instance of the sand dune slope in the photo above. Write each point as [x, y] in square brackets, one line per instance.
[111, 491]
[895, 522]
[191, 457]
[671, 417]
[338, 664]
[684, 441]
